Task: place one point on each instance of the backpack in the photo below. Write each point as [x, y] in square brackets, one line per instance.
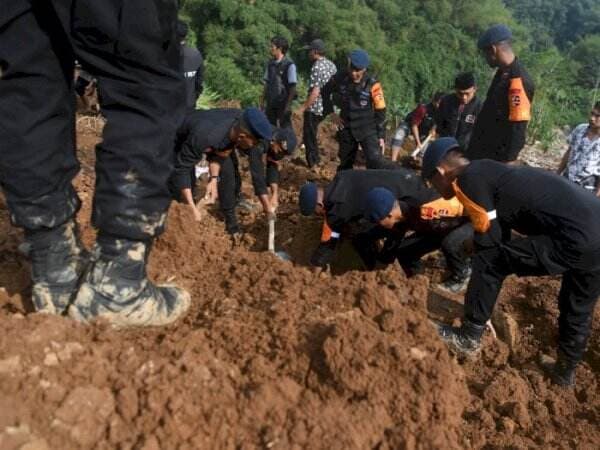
[277, 81]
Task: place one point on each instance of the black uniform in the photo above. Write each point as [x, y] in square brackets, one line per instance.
[345, 196]
[131, 49]
[362, 108]
[193, 72]
[501, 127]
[277, 90]
[208, 132]
[560, 221]
[433, 230]
[456, 120]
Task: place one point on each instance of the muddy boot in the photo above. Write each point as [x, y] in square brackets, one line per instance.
[456, 284]
[58, 260]
[463, 340]
[561, 370]
[116, 288]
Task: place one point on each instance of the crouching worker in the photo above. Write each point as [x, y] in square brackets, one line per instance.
[559, 221]
[218, 133]
[343, 202]
[436, 225]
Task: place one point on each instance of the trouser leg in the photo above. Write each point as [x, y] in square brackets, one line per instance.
[132, 50]
[37, 107]
[373, 156]
[347, 150]
[524, 257]
[576, 302]
[413, 248]
[227, 194]
[310, 131]
[453, 247]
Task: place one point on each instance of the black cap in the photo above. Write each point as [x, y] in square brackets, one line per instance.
[493, 35]
[316, 44]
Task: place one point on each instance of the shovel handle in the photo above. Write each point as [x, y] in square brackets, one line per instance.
[272, 235]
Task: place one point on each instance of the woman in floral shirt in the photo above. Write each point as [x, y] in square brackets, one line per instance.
[581, 163]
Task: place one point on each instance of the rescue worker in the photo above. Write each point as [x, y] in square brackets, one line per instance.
[458, 112]
[438, 224]
[419, 123]
[218, 133]
[192, 66]
[362, 114]
[343, 202]
[317, 105]
[141, 96]
[558, 222]
[280, 81]
[501, 126]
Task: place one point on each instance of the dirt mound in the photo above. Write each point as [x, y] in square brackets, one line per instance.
[275, 354]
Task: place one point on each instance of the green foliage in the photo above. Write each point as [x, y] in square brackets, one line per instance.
[417, 46]
[209, 98]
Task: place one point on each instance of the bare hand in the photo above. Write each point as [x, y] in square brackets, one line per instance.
[382, 145]
[212, 193]
[196, 213]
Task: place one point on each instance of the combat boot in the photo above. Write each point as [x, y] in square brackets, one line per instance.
[116, 288]
[58, 260]
[561, 370]
[464, 340]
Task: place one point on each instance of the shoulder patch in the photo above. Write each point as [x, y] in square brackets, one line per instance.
[519, 106]
[377, 95]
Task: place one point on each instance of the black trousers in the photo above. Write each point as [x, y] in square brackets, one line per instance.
[310, 131]
[229, 187]
[370, 146]
[452, 245]
[278, 117]
[131, 49]
[535, 256]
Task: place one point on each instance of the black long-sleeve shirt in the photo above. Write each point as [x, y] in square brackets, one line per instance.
[346, 195]
[501, 127]
[453, 119]
[207, 132]
[530, 201]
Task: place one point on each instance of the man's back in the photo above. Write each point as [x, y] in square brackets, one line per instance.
[346, 195]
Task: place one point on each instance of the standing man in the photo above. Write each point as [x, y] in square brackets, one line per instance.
[141, 96]
[581, 162]
[558, 222]
[420, 123]
[457, 112]
[218, 133]
[314, 109]
[192, 66]
[501, 127]
[280, 81]
[362, 114]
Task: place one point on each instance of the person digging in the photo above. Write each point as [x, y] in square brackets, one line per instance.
[558, 222]
[436, 225]
[218, 133]
[343, 204]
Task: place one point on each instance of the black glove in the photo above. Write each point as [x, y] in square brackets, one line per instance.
[324, 253]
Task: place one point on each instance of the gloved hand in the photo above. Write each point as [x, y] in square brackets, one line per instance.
[324, 253]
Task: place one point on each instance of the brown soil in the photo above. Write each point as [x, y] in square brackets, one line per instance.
[274, 354]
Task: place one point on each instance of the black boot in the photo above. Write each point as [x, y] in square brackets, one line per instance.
[464, 340]
[116, 288]
[561, 370]
[58, 260]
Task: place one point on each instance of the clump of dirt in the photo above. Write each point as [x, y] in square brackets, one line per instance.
[274, 354]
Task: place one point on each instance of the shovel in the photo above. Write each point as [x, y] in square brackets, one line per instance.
[421, 148]
[281, 254]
